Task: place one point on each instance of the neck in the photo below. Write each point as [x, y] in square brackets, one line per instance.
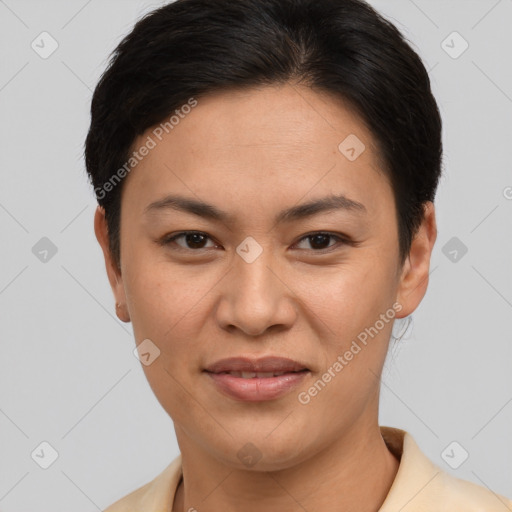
[353, 474]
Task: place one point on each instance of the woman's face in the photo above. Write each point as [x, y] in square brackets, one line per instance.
[257, 283]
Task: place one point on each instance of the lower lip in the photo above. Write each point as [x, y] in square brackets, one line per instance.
[257, 389]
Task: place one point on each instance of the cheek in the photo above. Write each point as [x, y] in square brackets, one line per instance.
[166, 307]
[173, 389]
[173, 303]
[348, 298]
[358, 308]
[351, 305]
[165, 298]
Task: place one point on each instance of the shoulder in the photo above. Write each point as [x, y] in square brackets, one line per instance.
[456, 492]
[421, 486]
[154, 496]
[131, 501]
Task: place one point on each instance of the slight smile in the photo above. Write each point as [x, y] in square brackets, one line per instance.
[255, 380]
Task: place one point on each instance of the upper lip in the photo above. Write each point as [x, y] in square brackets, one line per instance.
[263, 364]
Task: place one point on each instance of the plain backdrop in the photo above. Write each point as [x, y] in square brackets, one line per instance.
[68, 375]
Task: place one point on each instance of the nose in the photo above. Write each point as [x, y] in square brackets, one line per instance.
[256, 297]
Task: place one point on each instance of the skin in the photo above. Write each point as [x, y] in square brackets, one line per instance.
[253, 153]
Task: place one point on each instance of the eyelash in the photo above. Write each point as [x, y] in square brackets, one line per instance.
[344, 240]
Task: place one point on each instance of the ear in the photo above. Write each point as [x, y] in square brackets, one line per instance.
[113, 273]
[415, 273]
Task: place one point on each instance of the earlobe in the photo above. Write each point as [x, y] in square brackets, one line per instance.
[415, 274]
[113, 273]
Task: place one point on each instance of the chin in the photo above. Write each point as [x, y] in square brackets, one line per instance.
[263, 452]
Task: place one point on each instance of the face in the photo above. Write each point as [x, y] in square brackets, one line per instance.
[320, 286]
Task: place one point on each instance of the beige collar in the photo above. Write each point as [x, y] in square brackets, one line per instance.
[419, 485]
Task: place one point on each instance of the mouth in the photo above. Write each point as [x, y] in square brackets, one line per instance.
[258, 375]
[253, 380]
[248, 366]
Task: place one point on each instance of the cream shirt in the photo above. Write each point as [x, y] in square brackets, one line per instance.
[419, 486]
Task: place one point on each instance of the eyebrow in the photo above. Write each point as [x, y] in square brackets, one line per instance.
[301, 211]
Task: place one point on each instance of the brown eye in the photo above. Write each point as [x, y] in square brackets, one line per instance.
[321, 241]
[192, 240]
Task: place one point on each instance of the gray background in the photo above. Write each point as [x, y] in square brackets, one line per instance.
[67, 372]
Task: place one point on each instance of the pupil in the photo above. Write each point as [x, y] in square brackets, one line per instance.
[194, 239]
[318, 239]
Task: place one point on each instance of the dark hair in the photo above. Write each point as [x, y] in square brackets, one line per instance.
[190, 48]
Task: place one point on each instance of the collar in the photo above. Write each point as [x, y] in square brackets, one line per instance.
[419, 485]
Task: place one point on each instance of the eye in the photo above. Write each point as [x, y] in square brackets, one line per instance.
[320, 241]
[197, 240]
[190, 240]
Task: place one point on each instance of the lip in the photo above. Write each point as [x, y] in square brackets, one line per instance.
[256, 389]
[263, 364]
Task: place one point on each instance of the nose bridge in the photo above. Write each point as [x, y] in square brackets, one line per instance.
[255, 296]
[253, 277]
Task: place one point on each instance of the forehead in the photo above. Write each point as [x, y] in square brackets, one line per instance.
[283, 142]
[282, 116]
